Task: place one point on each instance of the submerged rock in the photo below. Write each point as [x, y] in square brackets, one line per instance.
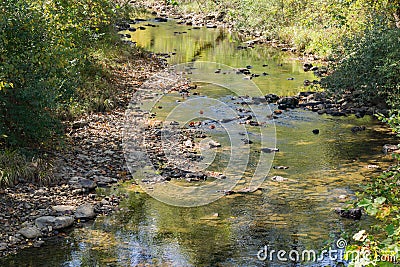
[271, 98]
[354, 214]
[288, 102]
[269, 150]
[315, 131]
[389, 148]
[356, 129]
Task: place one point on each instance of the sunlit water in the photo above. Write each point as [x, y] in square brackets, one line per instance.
[296, 214]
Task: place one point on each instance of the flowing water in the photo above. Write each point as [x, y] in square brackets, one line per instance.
[295, 214]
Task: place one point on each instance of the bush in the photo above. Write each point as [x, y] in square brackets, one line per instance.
[370, 67]
[46, 62]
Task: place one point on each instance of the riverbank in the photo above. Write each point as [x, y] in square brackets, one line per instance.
[91, 159]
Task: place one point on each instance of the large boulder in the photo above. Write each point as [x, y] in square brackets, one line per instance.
[85, 211]
[30, 232]
[288, 102]
[82, 183]
[45, 222]
[271, 98]
[63, 209]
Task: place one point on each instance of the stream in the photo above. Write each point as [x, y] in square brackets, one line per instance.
[296, 214]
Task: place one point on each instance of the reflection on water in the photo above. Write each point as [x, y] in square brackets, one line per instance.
[293, 214]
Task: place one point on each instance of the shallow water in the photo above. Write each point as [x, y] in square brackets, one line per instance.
[294, 214]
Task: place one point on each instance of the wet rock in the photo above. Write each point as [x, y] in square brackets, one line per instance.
[271, 98]
[243, 71]
[281, 167]
[252, 123]
[359, 114]
[389, 148]
[288, 102]
[85, 211]
[159, 19]
[315, 131]
[356, 129]
[307, 66]
[335, 113]
[269, 150]
[278, 178]
[246, 141]
[30, 232]
[354, 214]
[373, 167]
[278, 111]
[47, 222]
[258, 100]
[214, 144]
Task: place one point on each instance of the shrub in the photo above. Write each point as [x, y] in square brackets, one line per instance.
[46, 64]
[370, 67]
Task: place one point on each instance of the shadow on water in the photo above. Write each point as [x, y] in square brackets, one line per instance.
[294, 214]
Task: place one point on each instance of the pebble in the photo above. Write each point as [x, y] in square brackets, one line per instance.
[278, 178]
[214, 144]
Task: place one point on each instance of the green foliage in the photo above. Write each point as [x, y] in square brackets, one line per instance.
[381, 245]
[393, 120]
[46, 62]
[370, 67]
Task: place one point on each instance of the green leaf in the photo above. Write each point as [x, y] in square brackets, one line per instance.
[364, 203]
[380, 200]
[371, 210]
[390, 229]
